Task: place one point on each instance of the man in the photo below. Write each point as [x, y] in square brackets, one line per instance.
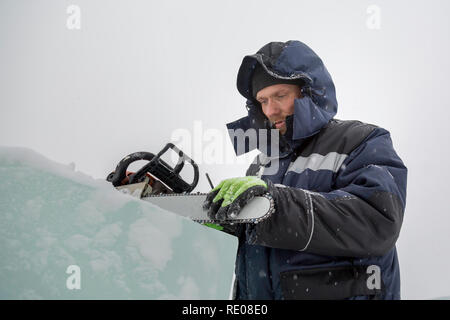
[339, 188]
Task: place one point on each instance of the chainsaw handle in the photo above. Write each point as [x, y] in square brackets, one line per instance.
[121, 170]
[158, 168]
[180, 164]
[181, 160]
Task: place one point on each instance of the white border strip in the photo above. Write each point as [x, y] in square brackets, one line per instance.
[332, 161]
[311, 211]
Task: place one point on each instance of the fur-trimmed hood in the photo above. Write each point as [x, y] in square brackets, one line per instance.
[287, 60]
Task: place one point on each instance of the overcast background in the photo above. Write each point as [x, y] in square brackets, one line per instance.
[138, 73]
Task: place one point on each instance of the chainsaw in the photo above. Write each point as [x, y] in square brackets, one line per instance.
[159, 183]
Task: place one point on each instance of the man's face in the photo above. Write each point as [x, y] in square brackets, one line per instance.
[277, 102]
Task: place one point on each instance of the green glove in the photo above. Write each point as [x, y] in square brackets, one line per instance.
[227, 199]
[213, 226]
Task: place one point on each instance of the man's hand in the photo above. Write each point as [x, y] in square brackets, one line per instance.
[227, 199]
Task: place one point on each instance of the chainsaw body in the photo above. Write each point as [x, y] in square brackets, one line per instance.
[160, 184]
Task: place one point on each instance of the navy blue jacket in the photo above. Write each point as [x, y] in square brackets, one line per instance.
[339, 190]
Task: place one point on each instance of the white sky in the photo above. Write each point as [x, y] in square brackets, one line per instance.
[138, 72]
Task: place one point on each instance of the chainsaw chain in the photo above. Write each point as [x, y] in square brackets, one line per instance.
[253, 220]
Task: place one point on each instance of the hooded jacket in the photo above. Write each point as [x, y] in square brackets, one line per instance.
[339, 190]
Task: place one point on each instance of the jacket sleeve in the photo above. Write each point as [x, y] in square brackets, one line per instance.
[360, 217]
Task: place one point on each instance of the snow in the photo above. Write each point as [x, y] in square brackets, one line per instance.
[53, 217]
